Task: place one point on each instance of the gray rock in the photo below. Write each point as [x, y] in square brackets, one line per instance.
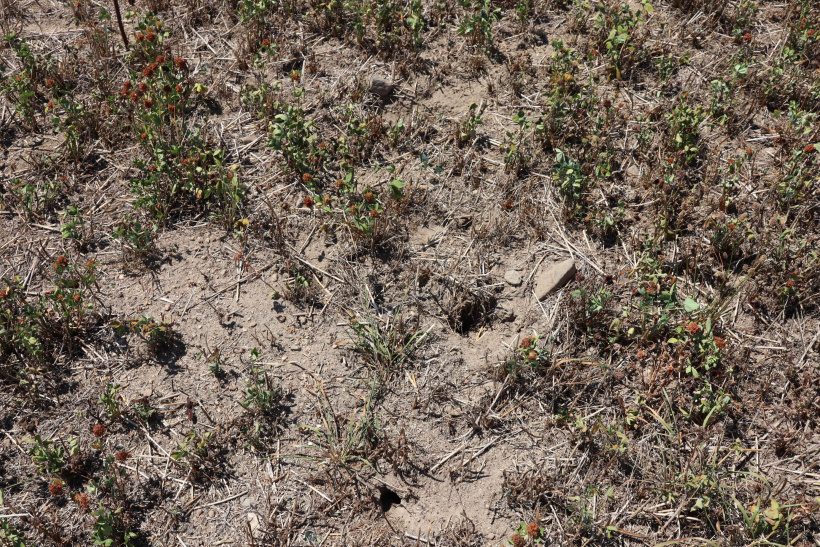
[514, 277]
[554, 277]
[253, 523]
[504, 315]
[633, 172]
[768, 153]
[380, 86]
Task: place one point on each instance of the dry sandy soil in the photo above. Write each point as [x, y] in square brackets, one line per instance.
[399, 272]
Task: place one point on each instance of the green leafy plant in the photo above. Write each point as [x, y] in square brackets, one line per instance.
[570, 101]
[415, 23]
[704, 350]
[477, 23]
[137, 239]
[516, 146]
[73, 226]
[158, 335]
[109, 529]
[194, 453]
[526, 356]
[683, 123]
[261, 397]
[70, 117]
[466, 130]
[619, 24]
[50, 456]
[293, 134]
[110, 401]
[143, 410]
[524, 11]
[23, 87]
[36, 331]
[10, 536]
[32, 198]
[256, 11]
[572, 184]
[592, 303]
[668, 64]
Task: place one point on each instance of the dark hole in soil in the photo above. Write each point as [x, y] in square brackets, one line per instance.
[471, 311]
[387, 498]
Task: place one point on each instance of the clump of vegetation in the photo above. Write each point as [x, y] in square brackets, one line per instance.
[405, 179]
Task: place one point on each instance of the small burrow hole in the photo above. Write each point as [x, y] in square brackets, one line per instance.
[388, 498]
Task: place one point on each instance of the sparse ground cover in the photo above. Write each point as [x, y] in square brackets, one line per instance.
[409, 272]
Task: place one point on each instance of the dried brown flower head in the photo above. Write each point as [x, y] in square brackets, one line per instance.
[56, 489]
[83, 500]
[98, 430]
